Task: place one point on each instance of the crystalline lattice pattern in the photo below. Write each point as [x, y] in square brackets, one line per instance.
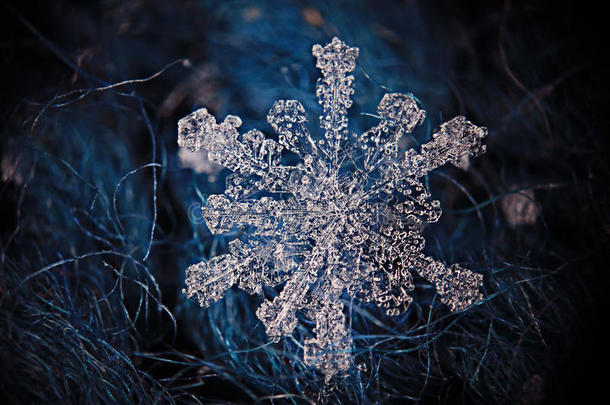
[347, 218]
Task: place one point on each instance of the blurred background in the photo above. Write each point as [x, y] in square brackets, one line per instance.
[98, 207]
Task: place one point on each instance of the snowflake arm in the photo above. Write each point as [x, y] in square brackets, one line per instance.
[208, 281]
[279, 314]
[455, 139]
[457, 287]
[399, 114]
[334, 91]
[254, 159]
[330, 350]
[288, 120]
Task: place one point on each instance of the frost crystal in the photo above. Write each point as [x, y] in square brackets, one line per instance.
[348, 218]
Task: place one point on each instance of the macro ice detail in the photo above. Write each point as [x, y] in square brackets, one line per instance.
[347, 219]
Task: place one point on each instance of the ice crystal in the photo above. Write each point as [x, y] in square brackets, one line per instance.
[346, 219]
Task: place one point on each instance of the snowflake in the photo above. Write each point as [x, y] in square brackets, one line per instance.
[347, 218]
